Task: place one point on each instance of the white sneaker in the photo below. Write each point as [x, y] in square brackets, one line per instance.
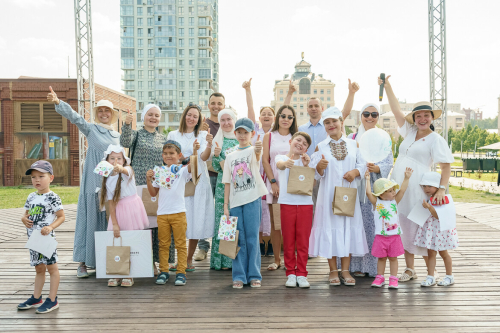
[302, 281]
[291, 282]
[201, 255]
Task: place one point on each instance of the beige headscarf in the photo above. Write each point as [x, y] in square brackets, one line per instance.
[219, 137]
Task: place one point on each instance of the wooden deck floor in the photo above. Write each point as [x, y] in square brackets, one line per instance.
[209, 303]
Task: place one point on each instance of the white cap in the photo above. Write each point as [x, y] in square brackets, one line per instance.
[116, 149]
[332, 112]
[431, 179]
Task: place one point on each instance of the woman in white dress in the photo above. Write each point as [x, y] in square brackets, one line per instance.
[420, 150]
[338, 162]
[200, 207]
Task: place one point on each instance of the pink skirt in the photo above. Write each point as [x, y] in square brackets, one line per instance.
[130, 214]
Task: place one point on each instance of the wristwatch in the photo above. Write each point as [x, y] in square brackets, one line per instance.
[442, 186]
[273, 181]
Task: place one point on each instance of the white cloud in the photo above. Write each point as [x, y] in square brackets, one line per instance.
[30, 4]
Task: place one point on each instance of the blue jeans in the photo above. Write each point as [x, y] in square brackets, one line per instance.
[203, 244]
[246, 266]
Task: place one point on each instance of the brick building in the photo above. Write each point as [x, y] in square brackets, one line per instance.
[30, 129]
[472, 114]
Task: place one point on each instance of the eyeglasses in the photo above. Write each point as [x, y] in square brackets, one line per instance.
[284, 116]
[366, 114]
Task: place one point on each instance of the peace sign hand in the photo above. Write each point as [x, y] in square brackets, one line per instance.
[246, 85]
[129, 118]
[52, 97]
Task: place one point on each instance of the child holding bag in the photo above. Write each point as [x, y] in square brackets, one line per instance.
[243, 189]
[387, 243]
[434, 234]
[296, 212]
[127, 211]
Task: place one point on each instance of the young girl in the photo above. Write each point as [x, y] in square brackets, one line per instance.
[126, 208]
[387, 243]
[296, 213]
[243, 189]
[433, 235]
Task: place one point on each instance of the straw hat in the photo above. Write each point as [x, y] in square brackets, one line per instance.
[108, 104]
[383, 184]
[422, 106]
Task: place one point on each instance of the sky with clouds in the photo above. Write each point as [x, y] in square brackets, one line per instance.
[356, 39]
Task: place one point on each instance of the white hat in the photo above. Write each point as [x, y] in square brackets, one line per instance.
[146, 109]
[332, 112]
[116, 149]
[108, 104]
[431, 179]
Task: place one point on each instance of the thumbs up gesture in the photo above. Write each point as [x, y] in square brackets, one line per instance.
[204, 125]
[246, 85]
[217, 150]
[129, 118]
[323, 163]
[305, 159]
[209, 138]
[291, 87]
[52, 97]
[196, 145]
[258, 145]
[290, 163]
[353, 87]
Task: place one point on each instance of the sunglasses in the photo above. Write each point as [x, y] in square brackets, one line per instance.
[284, 116]
[194, 105]
[366, 114]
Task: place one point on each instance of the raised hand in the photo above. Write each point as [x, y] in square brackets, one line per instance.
[217, 150]
[196, 145]
[353, 87]
[290, 163]
[367, 175]
[52, 97]
[386, 81]
[246, 85]
[150, 175]
[204, 125]
[322, 164]
[209, 138]
[258, 145]
[291, 87]
[305, 159]
[408, 173]
[129, 118]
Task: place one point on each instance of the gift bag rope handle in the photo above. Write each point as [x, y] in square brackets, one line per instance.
[120, 240]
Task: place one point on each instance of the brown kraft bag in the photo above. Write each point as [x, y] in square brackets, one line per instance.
[301, 180]
[118, 259]
[344, 201]
[229, 249]
[150, 203]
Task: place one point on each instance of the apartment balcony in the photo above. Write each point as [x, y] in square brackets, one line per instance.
[205, 11]
[129, 87]
[165, 33]
[207, 46]
[127, 77]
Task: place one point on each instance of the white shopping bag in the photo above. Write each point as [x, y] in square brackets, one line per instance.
[141, 253]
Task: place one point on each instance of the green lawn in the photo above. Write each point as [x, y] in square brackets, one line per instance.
[468, 195]
[15, 197]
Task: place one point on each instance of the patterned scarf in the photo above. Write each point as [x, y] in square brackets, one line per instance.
[339, 150]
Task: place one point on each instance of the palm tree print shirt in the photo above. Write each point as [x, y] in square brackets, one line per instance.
[386, 218]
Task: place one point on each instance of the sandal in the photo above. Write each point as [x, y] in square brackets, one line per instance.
[359, 274]
[162, 278]
[127, 282]
[405, 277]
[448, 280]
[348, 281]
[172, 267]
[190, 267]
[273, 267]
[237, 285]
[334, 281]
[429, 281]
[255, 284]
[114, 282]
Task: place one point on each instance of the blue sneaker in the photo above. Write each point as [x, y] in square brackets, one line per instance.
[31, 302]
[180, 279]
[48, 306]
[162, 278]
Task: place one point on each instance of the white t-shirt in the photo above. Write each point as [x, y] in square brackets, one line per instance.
[241, 171]
[386, 218]
[128, 185]
[171, 199]
[284, 197]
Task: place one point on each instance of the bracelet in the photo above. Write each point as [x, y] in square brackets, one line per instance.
[226, 204]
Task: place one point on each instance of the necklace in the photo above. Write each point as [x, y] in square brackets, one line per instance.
[186, 135]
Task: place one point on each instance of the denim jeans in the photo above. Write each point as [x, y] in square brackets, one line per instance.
[246, 266]
[203, 244]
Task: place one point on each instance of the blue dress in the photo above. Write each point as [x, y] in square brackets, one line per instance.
[89, 218]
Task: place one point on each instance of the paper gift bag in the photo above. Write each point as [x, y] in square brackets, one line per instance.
[277, 216]
[118, 259]
[344, 201]
[228, 248]
[190, 189]
[301, 180]
[227, 228]
[150, 203]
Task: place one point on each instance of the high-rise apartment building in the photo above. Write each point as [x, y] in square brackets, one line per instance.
[309, 85]
[169, 54]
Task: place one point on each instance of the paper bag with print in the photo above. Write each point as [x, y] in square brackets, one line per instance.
[277, 216]
[150, 203]
[118, 259]
[104, 168]
[228, 248]
[344, 201]
[227, 228]
[301, 180]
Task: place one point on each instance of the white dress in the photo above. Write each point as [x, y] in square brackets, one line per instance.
[419, 155]
[334, 235]
[200, 210]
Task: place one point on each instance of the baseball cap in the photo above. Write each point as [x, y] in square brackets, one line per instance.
[244, 123]
[42, 166]
[331, 113]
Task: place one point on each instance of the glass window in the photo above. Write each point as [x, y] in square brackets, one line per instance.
[128, 63]
[328, 91]
[127, 42]
[181, 20]
[191, 32]
[191, 21]
[281, 91]
[165, 62]
[127, 10]
[181, 42]
[328, 98]
[127, 32]
[150, 22]
[181, 32]
[150, 53]
[181, 53]
[304, 86]
[191, 63]
[322, 91]
[150, 85]
[139, 32]
[202, 53]
[139, 11]
[191, 75]
[181, 84]
[204, 73]
[151, 64]
[204, 63]
[181, 63]
[150, 10]
[191, 10]
[140, 53]
[140, 94]
[140, 74]
[126, 20]
[139, 21]
[315, 91]
[295, 99]
[281, 99]
[181, 11]
[181, 73]
[191, 42]
[140, 85]
[140, 64]
[202, 32]
[191, 53]
[181, 93]
[202, 21]
[191, 83]
[140, 42]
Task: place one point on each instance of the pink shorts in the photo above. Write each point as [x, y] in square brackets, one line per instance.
[387, 246]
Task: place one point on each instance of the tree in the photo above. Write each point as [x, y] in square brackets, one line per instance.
[395, 150]
[348, 131]
[167, 130]
[488, 123]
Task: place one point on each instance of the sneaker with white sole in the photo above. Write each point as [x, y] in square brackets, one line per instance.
[201, 255]
[448, 280]
[82, 272]
[30, 303]
[292, 281]
[302, 281]
[48, 306]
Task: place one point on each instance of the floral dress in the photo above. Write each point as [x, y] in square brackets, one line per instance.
[217, 260]
[430, 236]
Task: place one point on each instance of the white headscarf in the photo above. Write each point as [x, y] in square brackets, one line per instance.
[219, 137]
[146, 108]
[361, 128]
